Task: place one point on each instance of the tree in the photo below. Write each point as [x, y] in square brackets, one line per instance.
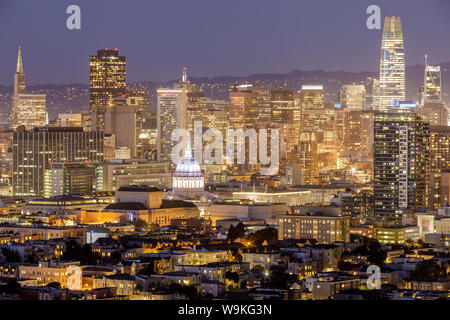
[188, 291]
[76, 252]
[33, 259]
[373, 250]
[139, 223]
[428, 270]
[11, 256]
[147, 270]
[55, 285]
[236, 232]
[268, 234]
[232, 276]
[236, 255]
[278, 278]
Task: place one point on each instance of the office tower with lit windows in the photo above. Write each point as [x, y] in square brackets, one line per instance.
[353, 96]
[312, 97]
[439, 166]
[120, 120]
[392, 64]
[212, 113]
[30, 111]
[375, 94]
[107, 81]
[318, 117]
[354, 129]
[306, 170]
[431, 89]
[171, 115]
[243, 106]
[69, 178]
[434, 112]
[138, 98]
[401, 160]
[19, 88]
[282, 105]
[432, 108]
[35, 150]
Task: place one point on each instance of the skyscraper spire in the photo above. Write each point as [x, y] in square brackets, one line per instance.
[184, 78]
[19, 68]
[425, 79]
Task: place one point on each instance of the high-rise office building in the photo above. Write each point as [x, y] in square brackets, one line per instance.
[120, 120]
[401, 160]
[306, 170]
[282, 105]
[317, 117]
[434, 112]
[35, 150]
[69, 178]
[439, 165]
[243, 106]
[171, 115]
[353, 96]
[392, 64]
[19, 88]
[431, 89]
[107, 81]
[30, 111]
[376, 94]
[138, 98]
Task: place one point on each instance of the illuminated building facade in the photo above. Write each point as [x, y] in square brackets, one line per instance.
[306, 170]
[325, 229]
[30, 111]
[138, 98]
[19, 88]
[111, 176]
[439, 165]
[34, 151]
[401, 160]
[243, 110]
[392, 64]
[69, 178]
[107, 81]
[171, 116]
[431, 90]
[353, 97]
[120, 120]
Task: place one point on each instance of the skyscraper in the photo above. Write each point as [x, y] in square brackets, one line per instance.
[353, 96]
[401, 160]
[171, 115]
[431, 90]
[439, 165]
[120, 120]
[19, 88]
[30, 111]
[392, 64]
[107, 81]
[35, 150]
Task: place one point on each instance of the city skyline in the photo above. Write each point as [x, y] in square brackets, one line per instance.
[291, 46]
[307, 185]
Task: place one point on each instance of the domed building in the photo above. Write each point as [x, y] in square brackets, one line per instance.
[188, 177]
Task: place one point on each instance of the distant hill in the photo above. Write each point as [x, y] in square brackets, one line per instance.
[75, 97]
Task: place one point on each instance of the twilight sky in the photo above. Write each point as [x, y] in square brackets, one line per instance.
[212, 37]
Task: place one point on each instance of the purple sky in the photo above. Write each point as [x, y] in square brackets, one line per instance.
[212, 37]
